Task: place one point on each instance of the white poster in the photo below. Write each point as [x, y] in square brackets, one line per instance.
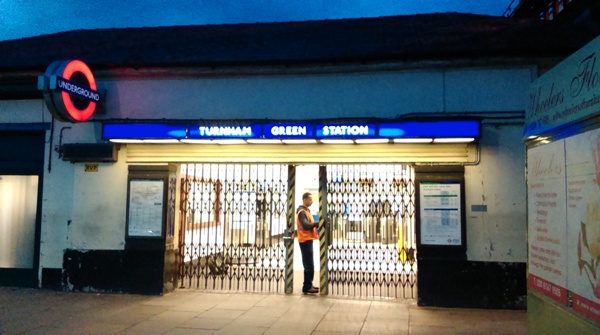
[547, 227]
[440, 213]
[145, 208]
[583, 218]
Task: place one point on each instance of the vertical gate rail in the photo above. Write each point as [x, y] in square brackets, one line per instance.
[371, 214]
[289, 235]
[323, 229]
[233, 217]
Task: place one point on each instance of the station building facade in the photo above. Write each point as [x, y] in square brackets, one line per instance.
[201, 140]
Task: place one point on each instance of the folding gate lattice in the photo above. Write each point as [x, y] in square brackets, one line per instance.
[371, 230]
[232, 220]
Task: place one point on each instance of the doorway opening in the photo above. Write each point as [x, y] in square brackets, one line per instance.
[233, 218]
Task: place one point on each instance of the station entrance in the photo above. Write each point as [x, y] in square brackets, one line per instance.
[236, 221]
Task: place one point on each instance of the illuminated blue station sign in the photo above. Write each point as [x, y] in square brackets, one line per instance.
[435, 129]
[411, 129]
[288, 131]
[349, 131]
[217, 132]
[144, 131]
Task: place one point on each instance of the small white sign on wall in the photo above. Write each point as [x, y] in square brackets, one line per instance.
[145, 208]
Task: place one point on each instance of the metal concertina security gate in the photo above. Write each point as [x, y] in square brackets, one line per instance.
[372, 248]
[232, 222]
[234, 216]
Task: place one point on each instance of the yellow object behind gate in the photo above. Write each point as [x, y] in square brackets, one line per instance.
[401, 243]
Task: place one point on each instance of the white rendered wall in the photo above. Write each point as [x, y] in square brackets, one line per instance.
[81, 210]
[24, 111]
[498, 234]
[303, 97]
[99, 207]
[483, 90]
[57, 209]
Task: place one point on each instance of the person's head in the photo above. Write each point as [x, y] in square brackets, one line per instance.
[307, 199]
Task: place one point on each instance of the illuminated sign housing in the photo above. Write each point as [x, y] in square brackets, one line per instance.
[144, 131]
[351, 131]
[434, 129]
[70, 90]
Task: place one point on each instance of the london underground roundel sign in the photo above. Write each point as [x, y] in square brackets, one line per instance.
[70, 90]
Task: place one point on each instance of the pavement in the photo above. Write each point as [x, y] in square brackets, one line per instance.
[185, 311]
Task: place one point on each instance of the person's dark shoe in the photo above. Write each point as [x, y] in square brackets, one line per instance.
[311, 290]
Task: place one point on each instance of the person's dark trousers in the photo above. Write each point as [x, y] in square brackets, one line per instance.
[309, 265]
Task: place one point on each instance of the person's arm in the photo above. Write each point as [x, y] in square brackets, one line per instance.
[305, 223]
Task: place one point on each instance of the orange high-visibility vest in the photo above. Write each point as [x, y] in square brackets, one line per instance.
[306, 235]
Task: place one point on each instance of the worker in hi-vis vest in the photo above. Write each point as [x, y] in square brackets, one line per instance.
[307, 232]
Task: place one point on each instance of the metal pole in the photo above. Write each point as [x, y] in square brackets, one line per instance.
[288, 236]
[324, 273]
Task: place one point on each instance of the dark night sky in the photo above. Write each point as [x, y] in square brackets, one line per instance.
[23, 18]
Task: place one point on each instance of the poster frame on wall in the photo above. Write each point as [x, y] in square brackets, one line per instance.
[145, 207]
[439, 202]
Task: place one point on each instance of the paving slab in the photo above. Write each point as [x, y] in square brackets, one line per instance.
[186, 311]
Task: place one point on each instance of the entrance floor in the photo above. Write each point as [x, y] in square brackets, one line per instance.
[34, 311]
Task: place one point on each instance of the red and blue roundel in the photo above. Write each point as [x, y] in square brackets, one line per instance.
[70, 90]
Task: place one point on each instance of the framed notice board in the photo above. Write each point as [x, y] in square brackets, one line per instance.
[440, 205]
[440, 213]
[145, 215]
